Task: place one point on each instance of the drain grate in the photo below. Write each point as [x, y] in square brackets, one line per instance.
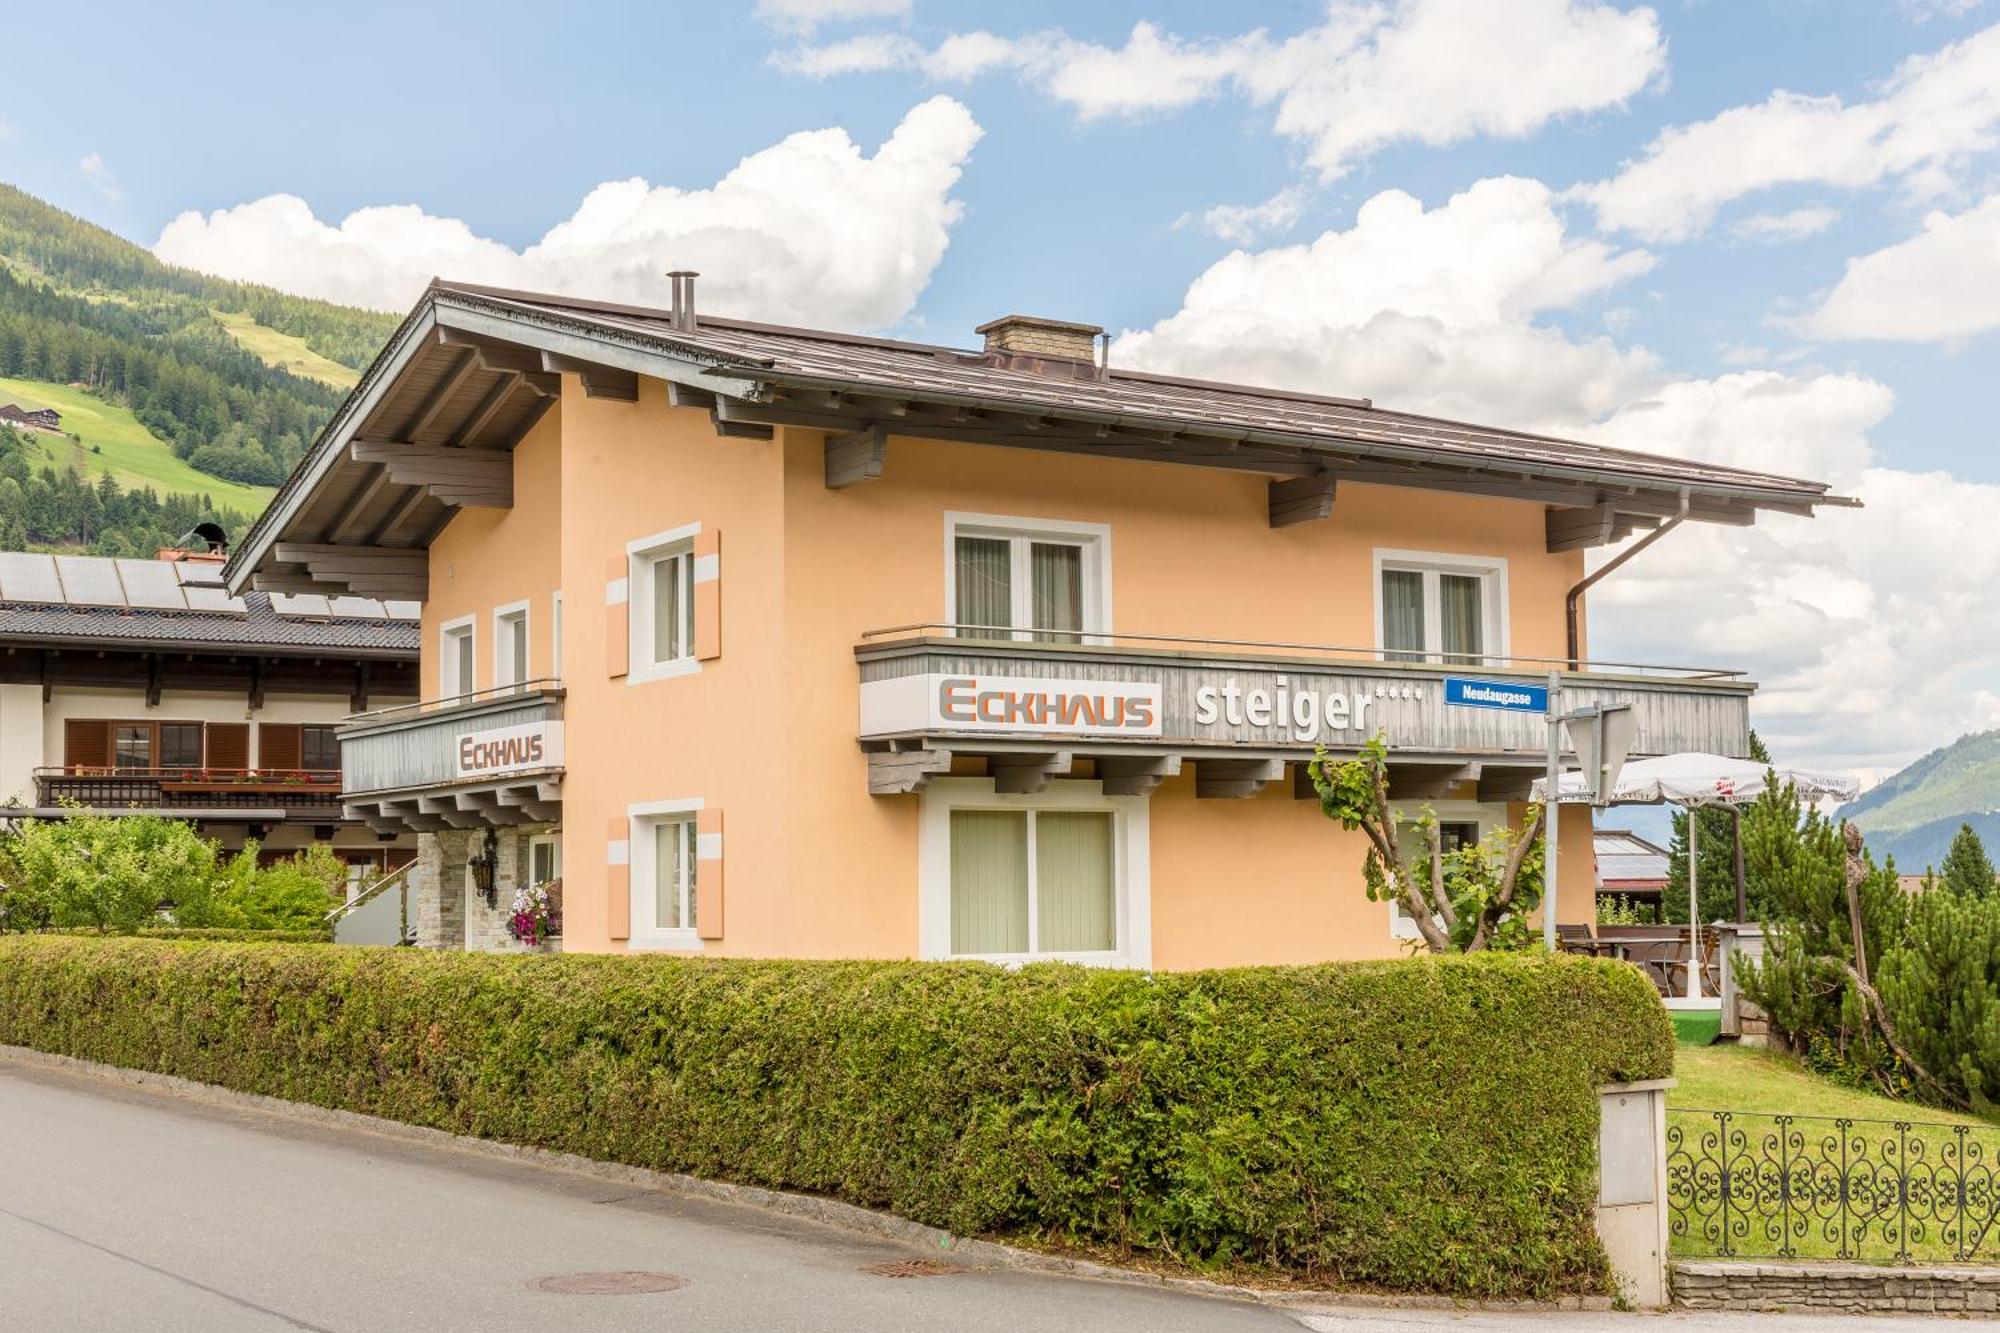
[607, 1284]
[913, 1268]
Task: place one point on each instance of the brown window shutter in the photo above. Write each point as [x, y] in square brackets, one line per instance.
[86, 743]
[708, 594]
[617, 615]
[618, 878]
[708, 873]
[277, 745]
[228, 745]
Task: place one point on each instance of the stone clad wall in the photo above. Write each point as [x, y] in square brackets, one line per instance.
[1846, 1288]
[446, 912]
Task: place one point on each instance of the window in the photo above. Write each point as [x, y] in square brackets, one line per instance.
[1028, 579]
[544, 858]
[1440, 609]
[1460, 824]
[510, 644]
[319, 749]
[180, 745]
[662, 605]
[665, 892]
[1016, 878]
[132, 745]
[455, 659]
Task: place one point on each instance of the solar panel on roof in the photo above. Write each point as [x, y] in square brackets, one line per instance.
[26, 576]
[202, 597]
[198, 571]
[151, 583]
[299, 604]
[90, 580]
[404, 610]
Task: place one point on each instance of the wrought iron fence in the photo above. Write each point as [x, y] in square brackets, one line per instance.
[1819, 1187]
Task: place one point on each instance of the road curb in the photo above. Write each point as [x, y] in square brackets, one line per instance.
[830, 1212]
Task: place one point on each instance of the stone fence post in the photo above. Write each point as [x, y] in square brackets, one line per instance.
[1632, 1188]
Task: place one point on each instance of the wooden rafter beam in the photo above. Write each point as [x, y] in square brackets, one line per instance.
[464, 368]
[473, 477]
[598, 381]
[1300, 500]
[853, 457]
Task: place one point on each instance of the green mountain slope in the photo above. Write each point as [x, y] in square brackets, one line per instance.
[179, 382]
[1914, 814]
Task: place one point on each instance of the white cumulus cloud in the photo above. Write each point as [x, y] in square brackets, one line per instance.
[1368, 75]
[1792, 225]
[805, 15]
[1941, 284]
[1240, 224]
[812, 229]
[1937, 110]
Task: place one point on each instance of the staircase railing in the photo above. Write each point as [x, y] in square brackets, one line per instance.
[346, 913]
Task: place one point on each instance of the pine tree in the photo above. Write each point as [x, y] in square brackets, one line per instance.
[1966, 868]
[1717, 878]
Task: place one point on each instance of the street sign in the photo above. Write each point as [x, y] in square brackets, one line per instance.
[1602, 737]
[1507, 695]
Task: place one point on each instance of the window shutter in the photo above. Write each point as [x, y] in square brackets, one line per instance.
[708, 873]
[618, 616]
[277, 745]
[228, 745]
[86, 743]
[618, 877]
[708, 594]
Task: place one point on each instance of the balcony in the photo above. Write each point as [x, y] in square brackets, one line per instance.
[1139, 707]
[484, 760]
[212, 795]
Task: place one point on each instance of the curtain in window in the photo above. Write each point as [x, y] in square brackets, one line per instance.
[1076, 907]
[464, 649]
[1461, 620]
[1057, 581]
[673, 871]
[668, 645]
[132, 747]
[984, 576]
[989, 881]
[1403, 614]
[517, 633]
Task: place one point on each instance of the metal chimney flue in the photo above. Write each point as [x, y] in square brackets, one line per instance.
[681, 311]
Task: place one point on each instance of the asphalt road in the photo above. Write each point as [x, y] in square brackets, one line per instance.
[129, 1209]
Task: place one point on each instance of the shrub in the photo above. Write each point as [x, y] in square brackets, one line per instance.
[1942, 985]
[1425, 1124]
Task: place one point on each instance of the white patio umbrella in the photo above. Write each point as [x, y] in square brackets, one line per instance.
[1690, 780]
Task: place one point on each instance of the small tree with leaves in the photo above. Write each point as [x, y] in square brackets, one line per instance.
[1967, 869]
[1473, 898]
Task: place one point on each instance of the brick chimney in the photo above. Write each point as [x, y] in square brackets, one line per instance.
[1020, 341]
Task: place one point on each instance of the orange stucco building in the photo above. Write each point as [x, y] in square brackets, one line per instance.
[775, 642]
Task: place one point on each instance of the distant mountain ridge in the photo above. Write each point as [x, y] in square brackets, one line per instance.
[1913, 815]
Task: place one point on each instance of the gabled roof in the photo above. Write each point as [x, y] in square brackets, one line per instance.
[469, 369]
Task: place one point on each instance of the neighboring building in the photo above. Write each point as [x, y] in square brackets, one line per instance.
[143, 684]
[781, 642]
[41, 418]
[1630, 867]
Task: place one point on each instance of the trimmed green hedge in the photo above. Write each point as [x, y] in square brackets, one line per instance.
[1417, 1125]
[216, 934]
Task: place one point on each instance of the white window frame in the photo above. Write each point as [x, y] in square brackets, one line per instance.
[555, 634]
[1494, 628]
[553, 841]
[513, 619]
[449, 686]
[1487, 815]
[1131, 841]
[641, 819]
[1094, 538]
[641, 556]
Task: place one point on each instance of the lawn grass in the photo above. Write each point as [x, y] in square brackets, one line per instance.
[285, 351]
[114, 441]
[1756, 1085]
[1695, 1027]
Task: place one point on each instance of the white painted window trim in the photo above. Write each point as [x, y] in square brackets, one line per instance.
[450, 687]
[1488, 815]
[640, 821]
[503, 641]
[640, 555]
[1095, 538]
[1131, 843]
[555, 634]
[1496, 627]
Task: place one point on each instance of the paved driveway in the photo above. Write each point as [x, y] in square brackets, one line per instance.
[128, 1209]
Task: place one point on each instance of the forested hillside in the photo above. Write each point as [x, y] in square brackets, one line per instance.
[195, 359]
[49, 508]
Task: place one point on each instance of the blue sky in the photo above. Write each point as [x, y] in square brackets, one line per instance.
[1068, 175]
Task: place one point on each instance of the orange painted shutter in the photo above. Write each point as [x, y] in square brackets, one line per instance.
[708, 594]
[618, 877]
[277, 745]
[708, 874]
[86, 743]
[228, 745]
[617, 616]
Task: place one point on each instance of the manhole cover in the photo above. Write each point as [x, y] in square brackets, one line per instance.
[912, 1268]
[607, 1284]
